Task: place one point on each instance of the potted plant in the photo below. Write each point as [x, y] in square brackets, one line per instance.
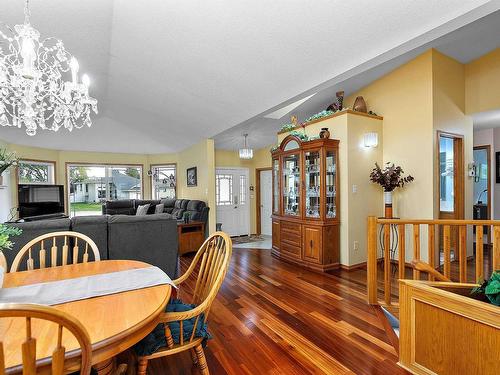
[186, 217]
[489, 290]
[7, 160]
[6, 233]
[390, 178]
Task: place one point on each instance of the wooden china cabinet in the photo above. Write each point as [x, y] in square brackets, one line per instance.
[306, 203]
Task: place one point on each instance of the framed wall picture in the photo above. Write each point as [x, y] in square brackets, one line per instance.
[497, 166]
[192, 177]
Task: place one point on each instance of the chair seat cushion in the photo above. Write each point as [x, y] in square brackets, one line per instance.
[156, 339]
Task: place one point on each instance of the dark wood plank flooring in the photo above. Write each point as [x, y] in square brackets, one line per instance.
[272, 317]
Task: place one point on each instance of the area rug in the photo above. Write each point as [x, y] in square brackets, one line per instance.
[247, 239]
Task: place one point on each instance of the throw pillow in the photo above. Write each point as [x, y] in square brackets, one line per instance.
[142, 210]
[159, 208]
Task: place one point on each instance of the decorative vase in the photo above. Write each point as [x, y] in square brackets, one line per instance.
[186, 219]
[340, 100]
[324, 133]
[388, 204]
[359, 105]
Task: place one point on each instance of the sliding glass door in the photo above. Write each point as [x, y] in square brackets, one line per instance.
[91, 185]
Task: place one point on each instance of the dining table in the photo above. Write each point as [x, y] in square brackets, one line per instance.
[114, 322]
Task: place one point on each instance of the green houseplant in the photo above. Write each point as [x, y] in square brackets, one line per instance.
[489, 289]
[7, 160]
[6, 233]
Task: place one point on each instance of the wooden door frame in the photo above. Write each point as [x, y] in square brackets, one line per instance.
[488, 158]
[459, 176]
[257, 197]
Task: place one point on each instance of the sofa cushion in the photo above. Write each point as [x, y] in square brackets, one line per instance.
[168, 202]
[96, 227]
[195, 205]
[142, 202]
[32, 230]
[181, 203]
[151, 239]
[119, 207]
[168, 210]
[159, 208]
[142, 210]
[177, 213]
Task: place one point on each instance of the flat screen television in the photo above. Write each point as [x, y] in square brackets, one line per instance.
[37, 200]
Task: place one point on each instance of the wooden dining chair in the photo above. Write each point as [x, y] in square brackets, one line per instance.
[49, 242]
[64, 322]
[213, 256]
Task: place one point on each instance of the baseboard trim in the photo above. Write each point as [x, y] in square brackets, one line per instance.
[353, 266]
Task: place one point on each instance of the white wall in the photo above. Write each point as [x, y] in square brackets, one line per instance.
[5, 193]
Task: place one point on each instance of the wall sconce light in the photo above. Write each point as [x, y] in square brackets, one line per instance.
[370, 139]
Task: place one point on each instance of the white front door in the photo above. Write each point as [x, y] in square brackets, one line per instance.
[233, 209]
[266, 196]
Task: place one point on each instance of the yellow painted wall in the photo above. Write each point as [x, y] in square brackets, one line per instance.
[355, 164]
[404, 98]
[482, 83]
[261, 159]
[202, 156]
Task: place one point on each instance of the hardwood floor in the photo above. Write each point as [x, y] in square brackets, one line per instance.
[271, 317]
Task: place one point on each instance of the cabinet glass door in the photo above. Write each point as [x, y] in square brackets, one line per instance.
[276, 186]
[291, 185]
[312, 171]
[331, 184]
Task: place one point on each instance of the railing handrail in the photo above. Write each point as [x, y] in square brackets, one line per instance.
[457, 222]
[388, 236]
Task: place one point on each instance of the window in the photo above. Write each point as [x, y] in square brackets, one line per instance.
[224, 189]
[36, 172]
[164, 179]
[243, 189]
[90, 185]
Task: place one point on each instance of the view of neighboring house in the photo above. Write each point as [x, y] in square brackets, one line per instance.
[96, 189]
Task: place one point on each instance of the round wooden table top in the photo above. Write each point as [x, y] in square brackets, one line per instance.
[114, 322]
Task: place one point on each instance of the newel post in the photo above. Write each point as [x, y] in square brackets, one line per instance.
[371, 268]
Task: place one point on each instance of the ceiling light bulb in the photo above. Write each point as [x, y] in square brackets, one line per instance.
[73, 64]
[86, 80]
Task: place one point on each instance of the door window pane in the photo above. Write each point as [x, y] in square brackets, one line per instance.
[224, 189]
[446, 175]
[243, 189]
[331, 180]
[36, 172]
[164, 181]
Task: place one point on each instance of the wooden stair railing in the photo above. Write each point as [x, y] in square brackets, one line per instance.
[453, 235]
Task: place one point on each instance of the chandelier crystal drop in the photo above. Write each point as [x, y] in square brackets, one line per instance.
[33, 92]
[246, 152]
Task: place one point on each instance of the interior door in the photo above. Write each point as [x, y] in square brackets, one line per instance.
[451, 185]
[266, 196]
[231, 188]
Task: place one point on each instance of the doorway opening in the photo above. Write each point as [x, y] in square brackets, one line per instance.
[263, 201]
[482, 187]
[450, 186]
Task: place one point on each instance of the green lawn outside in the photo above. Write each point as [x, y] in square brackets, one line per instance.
[85, 207]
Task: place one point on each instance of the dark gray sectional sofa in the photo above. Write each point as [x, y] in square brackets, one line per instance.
[151, 238]
[198, 210]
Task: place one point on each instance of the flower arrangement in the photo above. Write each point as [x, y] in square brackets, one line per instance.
[390, 177]
[489, 289]
[319, 115]
[5, 233]
[7, 160]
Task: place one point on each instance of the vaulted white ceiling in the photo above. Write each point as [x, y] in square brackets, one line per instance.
[170, 73]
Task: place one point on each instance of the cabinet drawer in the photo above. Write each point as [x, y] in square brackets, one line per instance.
[290, 250]
[291, 233]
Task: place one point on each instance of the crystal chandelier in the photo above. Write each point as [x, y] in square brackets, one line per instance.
[33, 91]
[246, 152]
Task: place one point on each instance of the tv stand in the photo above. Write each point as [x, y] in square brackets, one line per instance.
[46, 217]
